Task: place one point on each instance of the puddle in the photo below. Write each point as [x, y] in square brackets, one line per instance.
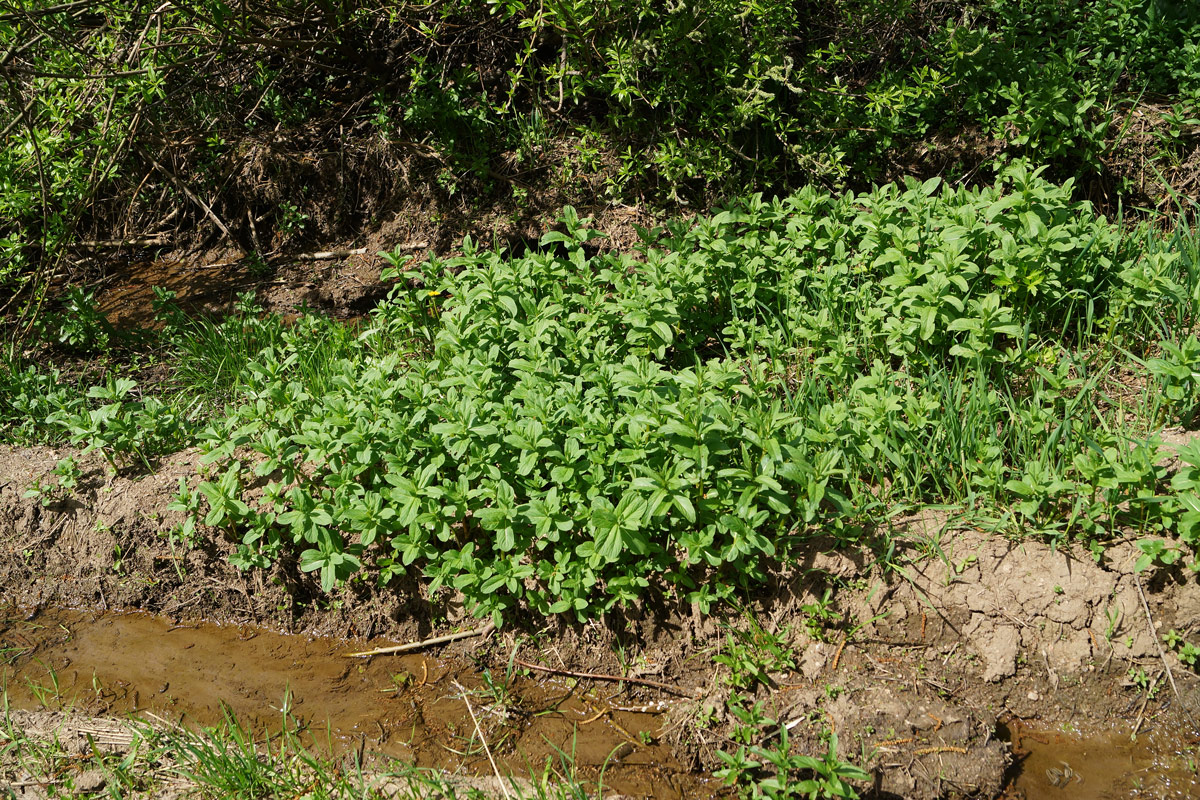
[1162, 763]
[408, 706]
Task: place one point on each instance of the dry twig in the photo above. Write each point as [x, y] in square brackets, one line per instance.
[326, 255]
[486, 749]
[404, 648]
[183, 187]
[1154, 635]
[600, 676]
[133, 241]
[1141, 715]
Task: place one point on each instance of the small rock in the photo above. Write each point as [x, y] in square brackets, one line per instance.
[813, 660]
[1034, 696]
[999, 646]
[91, 780]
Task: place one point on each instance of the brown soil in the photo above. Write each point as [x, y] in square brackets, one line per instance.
[937, 669]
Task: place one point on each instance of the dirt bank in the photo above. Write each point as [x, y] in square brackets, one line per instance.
[342, 279]
[924, 664]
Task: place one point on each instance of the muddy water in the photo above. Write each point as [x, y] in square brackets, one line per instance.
[1159, 763]
[412, 707]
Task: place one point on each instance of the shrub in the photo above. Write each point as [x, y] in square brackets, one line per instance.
[572, 423]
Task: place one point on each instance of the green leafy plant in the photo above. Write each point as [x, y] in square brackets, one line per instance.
[124, 429]
[777, 773]
[1188, 653]
[1178, 371]
[1138, 678]
[79, 326]
[1177, 511]
[290, 220]
[67, 474]
[561, 428]
[819, 616]
[29, 395]
[751, 654]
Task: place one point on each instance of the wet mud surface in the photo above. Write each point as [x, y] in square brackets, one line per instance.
[1110, 765]
[413, 706]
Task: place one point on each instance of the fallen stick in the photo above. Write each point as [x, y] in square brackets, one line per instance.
[789, 726]
[325, 255]
[657, 707]
[600, 676]
[479, 731]
[404, 247]
[1154, 635]
[179, 184]
[594, 717]
[136, 241]
[403, 648]
[1141, 715]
